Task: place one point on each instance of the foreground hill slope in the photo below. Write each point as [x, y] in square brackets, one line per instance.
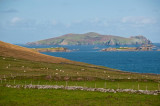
[18, 52]
[9, 50]
[92, 38]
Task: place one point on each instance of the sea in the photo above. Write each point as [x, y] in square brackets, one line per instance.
[131, 61]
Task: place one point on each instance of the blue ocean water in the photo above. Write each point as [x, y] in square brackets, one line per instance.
[140, 61]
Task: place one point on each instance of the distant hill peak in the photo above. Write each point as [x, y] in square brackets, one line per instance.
[92, 33]
[68, 34]
[92, 38]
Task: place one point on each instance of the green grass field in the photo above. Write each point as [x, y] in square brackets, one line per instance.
[28, 97]
[18, 71]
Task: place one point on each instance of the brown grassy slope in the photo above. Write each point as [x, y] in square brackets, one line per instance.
[10, 50]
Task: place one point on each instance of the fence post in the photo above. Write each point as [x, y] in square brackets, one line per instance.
[95, 85]
[118, 85]
[14, 82]
[105, 85]
[138, 86]
[132, 86]
[38, 82]
[146, 87]
[66, 84]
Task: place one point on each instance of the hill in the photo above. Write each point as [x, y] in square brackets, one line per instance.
[18, 52]
[9, 50]
[92, 38]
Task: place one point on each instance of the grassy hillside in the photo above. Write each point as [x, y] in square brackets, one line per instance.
[9, 50]
[21, 72]
[18, 52]
[92, 38]
[18, 69]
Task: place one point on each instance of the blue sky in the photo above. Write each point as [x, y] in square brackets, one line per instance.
[23, 21]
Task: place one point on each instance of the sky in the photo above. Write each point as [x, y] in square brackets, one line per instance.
[23, 21]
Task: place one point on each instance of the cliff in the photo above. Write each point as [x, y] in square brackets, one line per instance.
[92, 38]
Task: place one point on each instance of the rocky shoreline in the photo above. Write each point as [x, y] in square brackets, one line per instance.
[148, 92]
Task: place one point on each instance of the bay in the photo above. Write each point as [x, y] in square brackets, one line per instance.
[136, 61]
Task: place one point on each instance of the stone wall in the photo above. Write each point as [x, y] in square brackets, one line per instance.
[148, 92]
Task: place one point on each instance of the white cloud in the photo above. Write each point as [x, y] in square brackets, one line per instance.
[15, 20]
[138, 20]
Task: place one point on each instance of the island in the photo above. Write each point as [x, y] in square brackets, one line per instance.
[56, 49]
[141, 48]
[92, 38]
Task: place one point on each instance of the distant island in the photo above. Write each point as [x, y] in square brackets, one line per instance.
[92, 38]
[57, 49]
[141, 48]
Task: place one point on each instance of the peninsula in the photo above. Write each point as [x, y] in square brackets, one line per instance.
[92, 38]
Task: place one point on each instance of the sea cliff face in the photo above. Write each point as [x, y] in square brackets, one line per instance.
[92, 38]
